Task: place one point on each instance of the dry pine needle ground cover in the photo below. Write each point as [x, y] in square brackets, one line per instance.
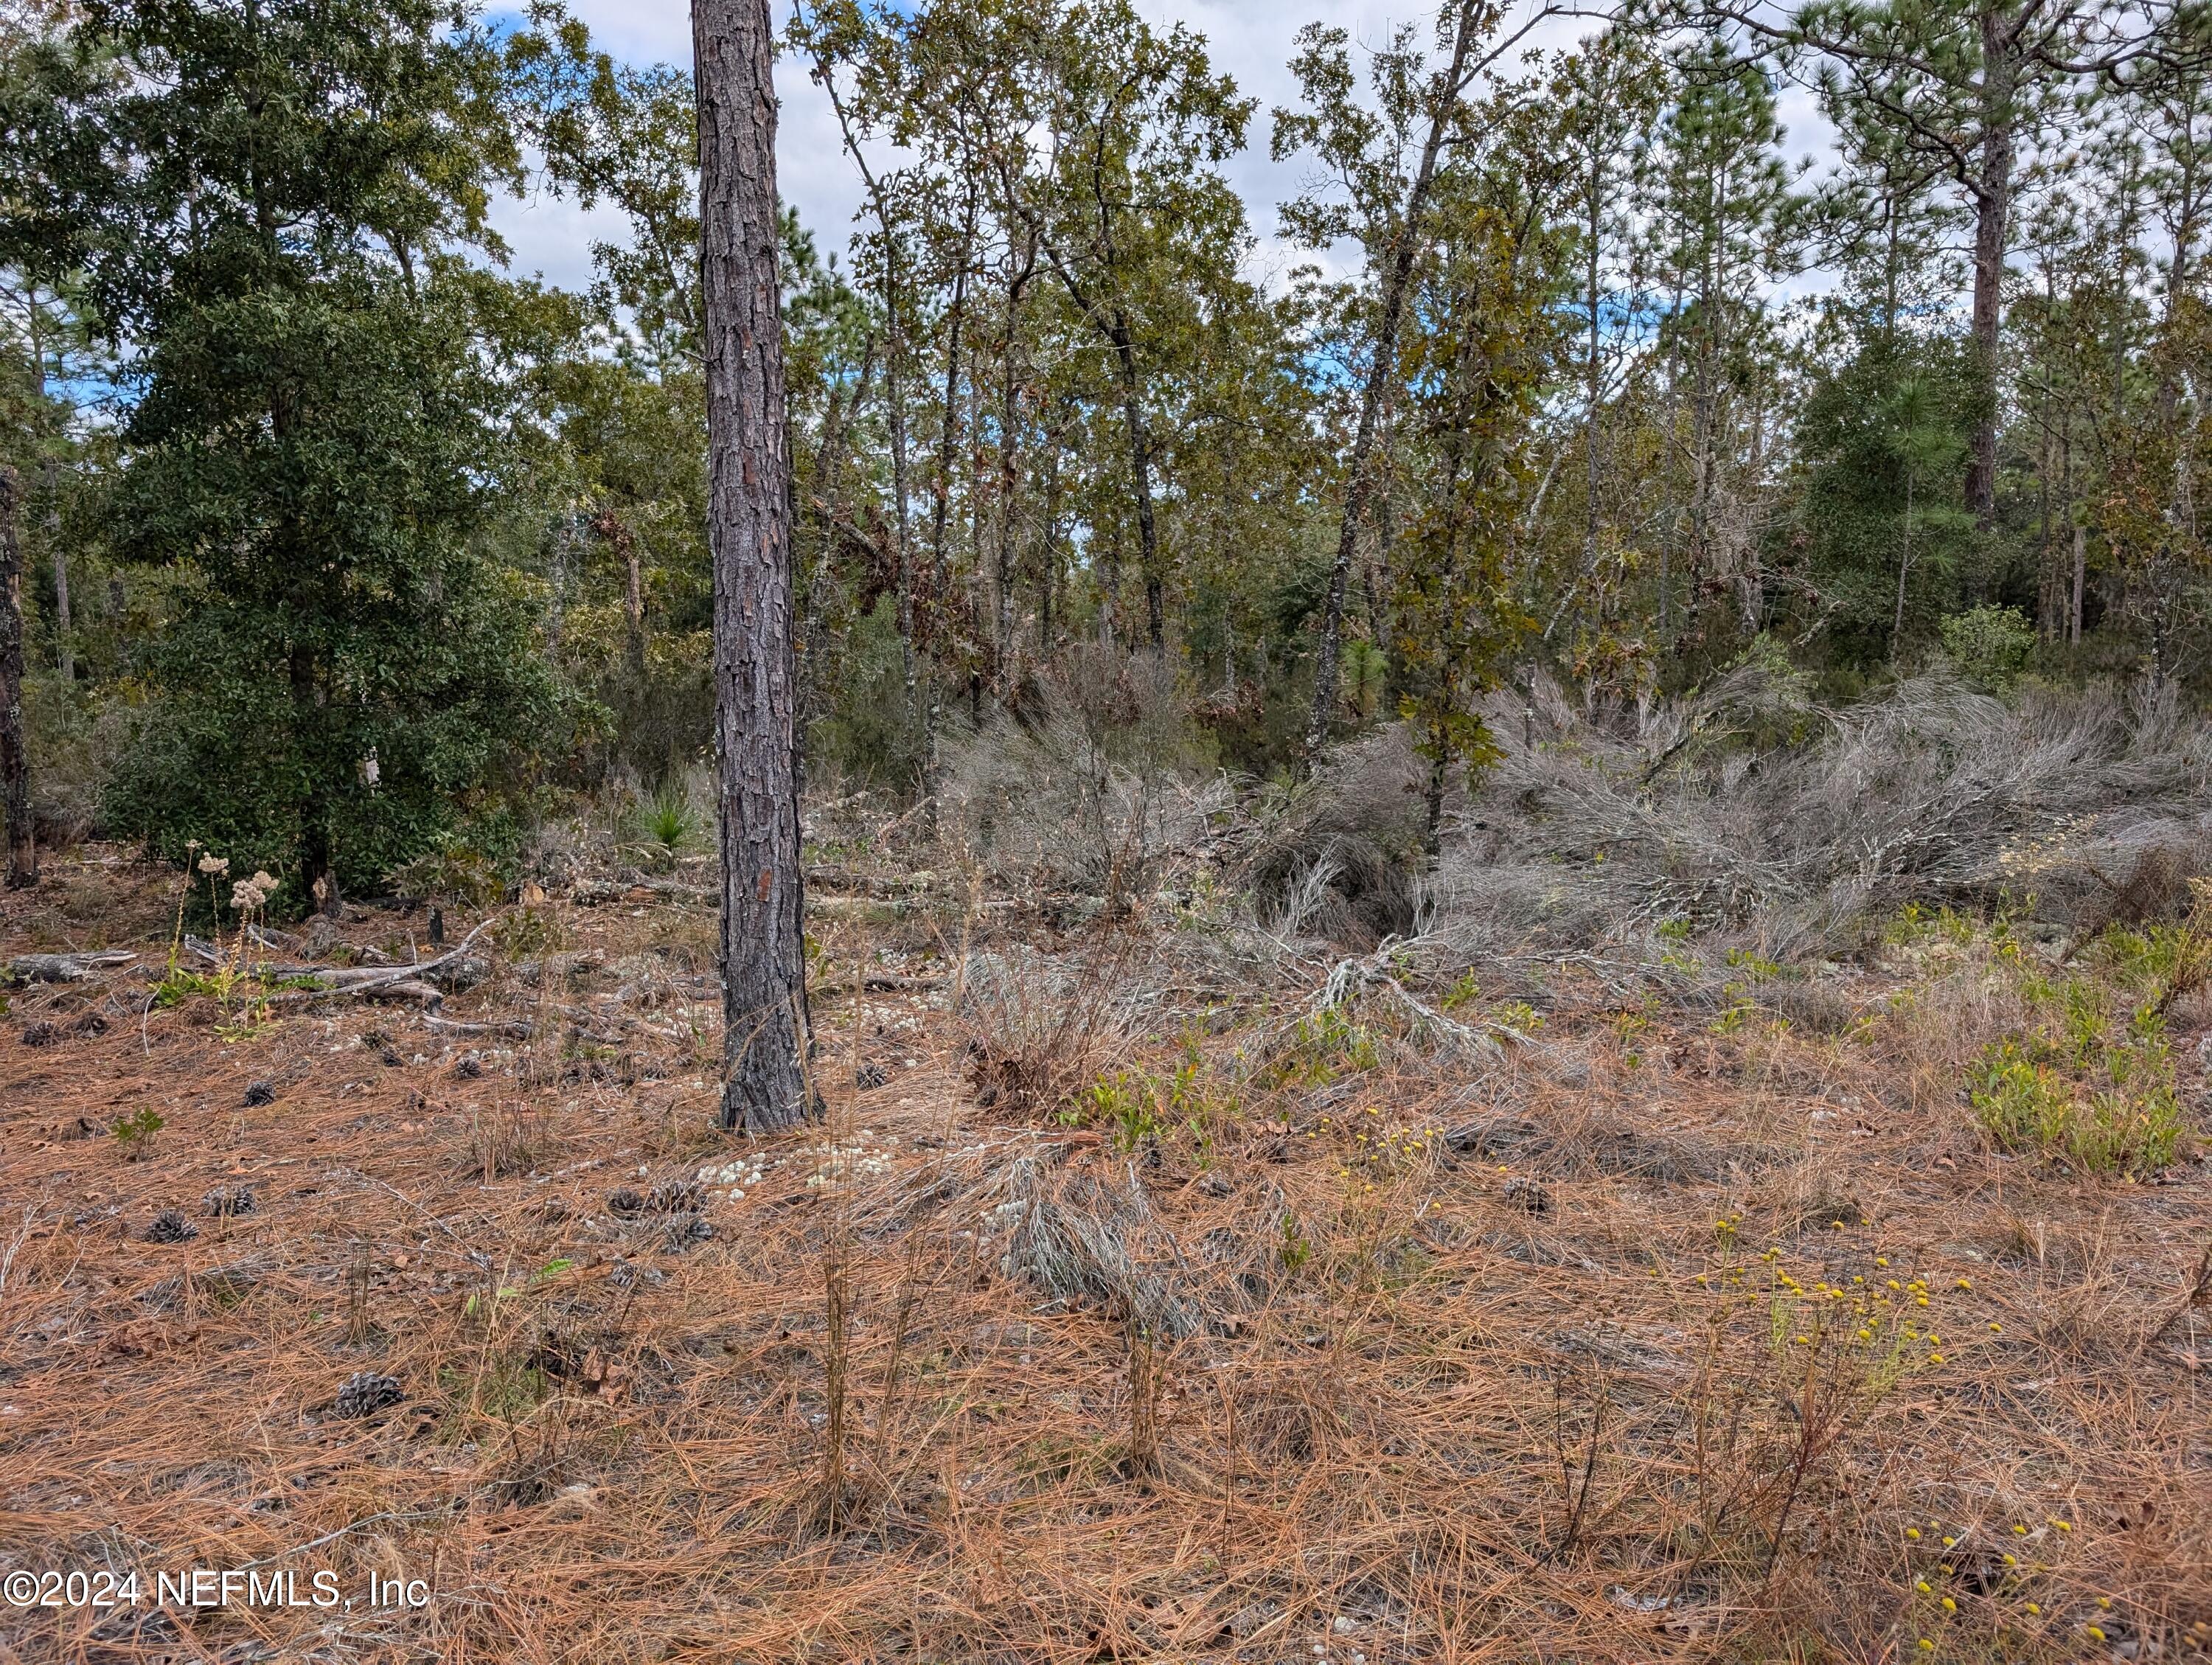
[1227, 1325]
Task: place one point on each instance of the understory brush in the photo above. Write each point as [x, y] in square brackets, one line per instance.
[1749, 809]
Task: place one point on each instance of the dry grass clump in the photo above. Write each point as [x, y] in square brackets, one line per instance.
[1090, 783]
[1629, 1336]
[1749, 809]
[1335, 856]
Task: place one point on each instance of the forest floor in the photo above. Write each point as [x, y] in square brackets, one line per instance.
[1222, 1323]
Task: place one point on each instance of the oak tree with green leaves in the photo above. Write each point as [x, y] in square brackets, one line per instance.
[263, 198]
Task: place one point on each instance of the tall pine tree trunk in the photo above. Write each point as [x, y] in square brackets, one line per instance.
[749, 534]
[15, 762]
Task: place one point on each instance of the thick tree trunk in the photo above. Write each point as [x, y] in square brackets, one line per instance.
[749, 534]
[15, 762]
[1382, 367]
[1992, 198]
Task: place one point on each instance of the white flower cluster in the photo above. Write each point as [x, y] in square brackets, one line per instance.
[729, 1180]
[249, 894]
[841, 1164]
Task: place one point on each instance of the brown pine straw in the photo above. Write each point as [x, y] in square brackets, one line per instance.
[1448, 1418]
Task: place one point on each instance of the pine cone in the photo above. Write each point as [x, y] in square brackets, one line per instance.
[869, 1075]
[228, 1200]
[685, 1229]
[260, 1093]
[170, 1226]
[675, 1196]
[625, 1201]
[1528, 1196]
[365, 1392]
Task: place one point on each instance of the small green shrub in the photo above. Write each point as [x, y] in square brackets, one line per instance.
[1988, 645]
[1324, 1048]
[135, 1132]
[1137, 1106]
[1128, 1102]
[2027, 1106]
[454, 870]
[669, 821]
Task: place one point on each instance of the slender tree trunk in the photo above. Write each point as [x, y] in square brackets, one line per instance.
[1671, 405]
[1432, 839]
[1048, 544]
[894, 362]
[2046, 591]
[1992, 197]
[2080, 582]
[828, 476]
[1009, 485]
[15, 760]
[49, 480]
[1904, 567]
[1379, 579]
[634, 608]
[1753, 590]
[1109, 583]
[1593, 392]
[948, 441]
[894, 400]
[763, 959]
[57, 553]
[1140, 474]
[1382, 368]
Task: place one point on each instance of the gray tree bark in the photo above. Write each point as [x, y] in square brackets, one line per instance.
[15, 762]
[1397, 279]
[749, 536]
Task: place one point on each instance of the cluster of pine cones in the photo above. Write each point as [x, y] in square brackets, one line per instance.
[365, 1392]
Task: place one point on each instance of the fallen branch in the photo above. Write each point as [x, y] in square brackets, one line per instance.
[2199, 1295]
[336, 977]
[875, 983]
[358, 986]
[65, 968]
[404, 988]
[512, 1029]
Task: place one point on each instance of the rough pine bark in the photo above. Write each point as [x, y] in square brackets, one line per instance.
[15, 763]
[749, 536]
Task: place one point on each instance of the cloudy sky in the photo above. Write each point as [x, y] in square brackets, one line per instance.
[1249, 39]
